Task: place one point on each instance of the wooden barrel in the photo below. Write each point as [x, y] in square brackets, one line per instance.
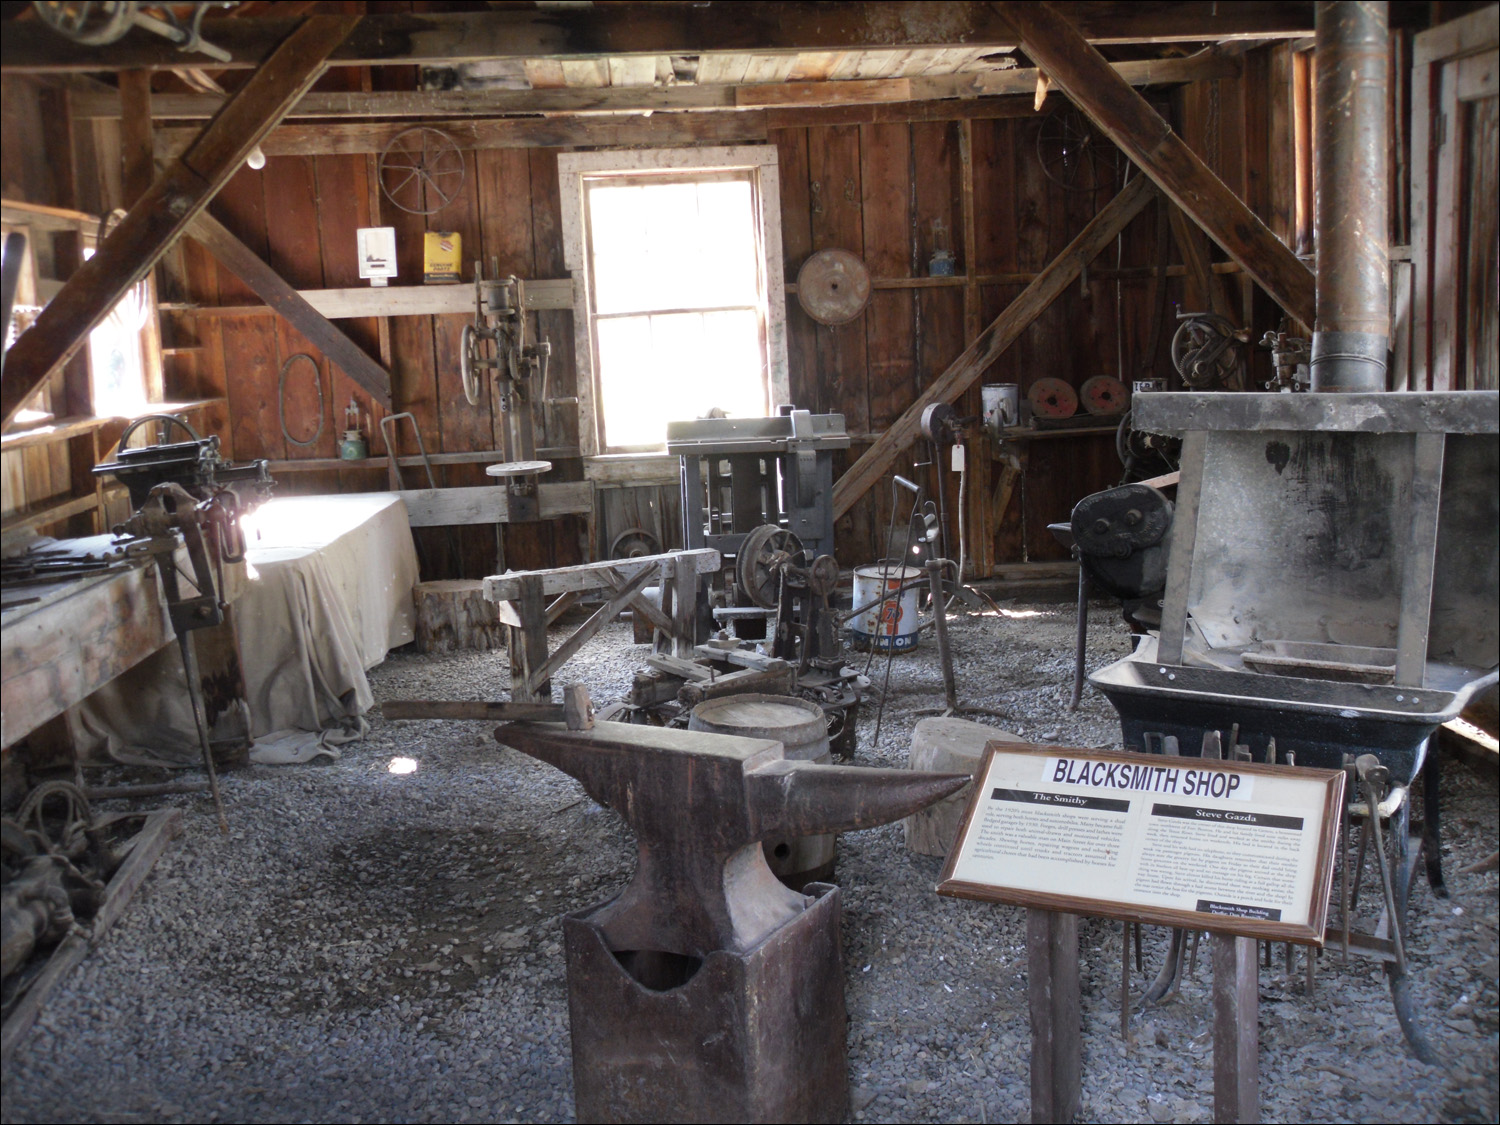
[802, 730]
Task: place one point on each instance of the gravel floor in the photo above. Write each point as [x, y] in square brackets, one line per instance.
[368, 946]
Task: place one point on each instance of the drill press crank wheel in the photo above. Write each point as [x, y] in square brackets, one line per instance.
[470, 359]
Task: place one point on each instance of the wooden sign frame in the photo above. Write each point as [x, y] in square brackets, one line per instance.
[1320, 813]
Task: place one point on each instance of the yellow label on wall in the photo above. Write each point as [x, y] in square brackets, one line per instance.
[442, 254]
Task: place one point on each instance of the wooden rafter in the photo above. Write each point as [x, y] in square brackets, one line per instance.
[667, 29]
[1121, 114]
[327, 337]
[1061, 272]
[440, 104]
[159, 217]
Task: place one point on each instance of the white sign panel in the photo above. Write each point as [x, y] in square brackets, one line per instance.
[1215, 845]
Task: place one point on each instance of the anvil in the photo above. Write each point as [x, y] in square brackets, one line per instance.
[723, 997]
[700, 804]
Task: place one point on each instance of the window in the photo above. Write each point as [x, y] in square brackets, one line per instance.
[117, 371]
[678, 297]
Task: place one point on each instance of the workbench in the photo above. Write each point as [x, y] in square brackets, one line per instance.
[324, 593]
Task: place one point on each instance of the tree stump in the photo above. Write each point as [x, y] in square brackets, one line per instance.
[453, 616]
[946, 745]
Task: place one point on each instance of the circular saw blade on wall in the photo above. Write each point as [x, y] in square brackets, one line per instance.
[1052, 398]
[1104, 396]
[833, 286]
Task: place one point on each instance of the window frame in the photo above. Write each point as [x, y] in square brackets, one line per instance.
[575, 167]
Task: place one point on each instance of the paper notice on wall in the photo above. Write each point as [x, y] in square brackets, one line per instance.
[1144, 835]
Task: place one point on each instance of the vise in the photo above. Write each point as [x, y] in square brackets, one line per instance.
[707, 990]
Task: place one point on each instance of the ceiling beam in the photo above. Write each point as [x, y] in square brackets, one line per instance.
[346, 137]
[274, 290]
[1048, 285]
[667, 29]
[156, 220]
[1203, 66]
[1122, 115]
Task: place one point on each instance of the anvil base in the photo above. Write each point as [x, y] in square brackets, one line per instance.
[757, 1036]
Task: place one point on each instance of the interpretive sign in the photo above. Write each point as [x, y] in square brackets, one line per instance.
[1233, 847]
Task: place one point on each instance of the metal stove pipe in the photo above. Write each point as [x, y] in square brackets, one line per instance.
[1352, 336]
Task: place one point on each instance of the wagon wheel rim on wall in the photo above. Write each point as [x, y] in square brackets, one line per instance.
[1071, 153]
[422, 170]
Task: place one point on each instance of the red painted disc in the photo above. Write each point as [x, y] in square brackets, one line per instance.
[1104, 396]
[1052, 398]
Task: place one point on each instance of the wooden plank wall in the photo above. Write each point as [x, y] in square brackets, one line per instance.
[878, 190]
[875, 189]
[301, 214]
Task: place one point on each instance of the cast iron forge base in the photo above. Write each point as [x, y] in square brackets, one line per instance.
[753, 1036]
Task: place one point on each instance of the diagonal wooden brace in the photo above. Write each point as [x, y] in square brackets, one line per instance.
[1055, 44]
[640, 603]
[159, 217]
[269, 285]
[1045, 288]
[585, 632]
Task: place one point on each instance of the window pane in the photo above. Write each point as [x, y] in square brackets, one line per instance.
[673, 245]
[655, 369]
[119, 381]
[117, 373]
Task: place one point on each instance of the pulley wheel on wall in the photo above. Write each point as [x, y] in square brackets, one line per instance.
[1104, 396]
[939, 421]
[634, 543]
[1071, 153]
[1052, 398]
[833, 286]
[758, 564]
[421, 170]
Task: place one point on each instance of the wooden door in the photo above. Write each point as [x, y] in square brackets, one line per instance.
[1455, 115]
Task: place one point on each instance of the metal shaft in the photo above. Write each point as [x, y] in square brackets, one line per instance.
[1080, 646]
[195, 694]
[940, 627]
[1352, 334]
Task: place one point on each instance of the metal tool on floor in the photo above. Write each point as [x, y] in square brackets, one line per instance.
[935, 568]
[393, 469]
[708, 990]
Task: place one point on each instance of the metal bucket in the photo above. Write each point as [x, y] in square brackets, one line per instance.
[802, 730]
[1001, 403]
[891, 623]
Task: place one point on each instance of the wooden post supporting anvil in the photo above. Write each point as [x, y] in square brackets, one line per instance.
[707, 990]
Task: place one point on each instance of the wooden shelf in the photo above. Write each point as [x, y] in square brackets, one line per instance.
[324, 464]
[1026, 433]
[76, 426]
[394, 300]
[49, 513]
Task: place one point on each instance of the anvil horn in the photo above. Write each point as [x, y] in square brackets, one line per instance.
[800, 798]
